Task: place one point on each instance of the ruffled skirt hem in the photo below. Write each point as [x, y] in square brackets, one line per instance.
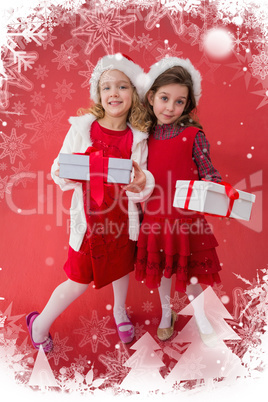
[200, 267]
[184, 247]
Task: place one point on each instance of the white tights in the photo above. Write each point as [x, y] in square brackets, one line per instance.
[69, 291]
[192, 292]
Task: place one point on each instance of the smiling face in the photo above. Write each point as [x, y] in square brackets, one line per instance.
[116, 93]
[168, 102]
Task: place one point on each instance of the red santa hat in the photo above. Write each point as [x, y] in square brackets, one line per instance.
[119, 62]
[169, 62]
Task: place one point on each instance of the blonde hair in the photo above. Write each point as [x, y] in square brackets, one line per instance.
[175, 75]
[137, 115]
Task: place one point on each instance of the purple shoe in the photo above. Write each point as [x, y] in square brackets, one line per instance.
[48, 343]
[125, 336]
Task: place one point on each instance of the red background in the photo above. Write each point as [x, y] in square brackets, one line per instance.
[34, 246]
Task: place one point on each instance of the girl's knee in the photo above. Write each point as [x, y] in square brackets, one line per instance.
[77, 287]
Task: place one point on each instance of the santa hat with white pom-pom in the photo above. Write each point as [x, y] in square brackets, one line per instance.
[169, 62]
[119, 62]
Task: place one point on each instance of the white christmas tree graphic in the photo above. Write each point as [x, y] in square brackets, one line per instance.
[206, 361]
[145, 363]
[42, 375]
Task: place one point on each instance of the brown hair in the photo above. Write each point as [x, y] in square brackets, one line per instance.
[137, 115]
[175, 75]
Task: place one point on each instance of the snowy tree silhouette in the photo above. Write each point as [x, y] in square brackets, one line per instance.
[42, 375]
[211, 359]
[144, 363]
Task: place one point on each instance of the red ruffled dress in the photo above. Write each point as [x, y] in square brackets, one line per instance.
[173, 240]
[106, 253]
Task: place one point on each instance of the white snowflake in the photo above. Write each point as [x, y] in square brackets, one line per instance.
[177, 303]
[46, 125]
[192, 366]
[24, 60]
[233, 8]
[168, 51]
[64, 90]
[192, 5]
[73, 5]
[33, 154]
[19, 177]
[147, 306]
[37, 98]
[59, 349]
[103, 28]
[13, 146]
[18, 123]
[260, 65]
[251, 22]
[65, 57]
[48, 41]
[4, 186]
[174, 6]
[50, 23]
[41, 72]
[94, 331]
[19, 108]
[87, 74]
[3, 166]
[144, 41]
[30, 32]
[72, 379]
[240, 40]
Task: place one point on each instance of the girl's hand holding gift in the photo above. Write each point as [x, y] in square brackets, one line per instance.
[139, 182]
[57, 173]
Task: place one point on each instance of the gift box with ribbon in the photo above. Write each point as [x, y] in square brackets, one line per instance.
[219, 199]
[81, 167]
[96, 169]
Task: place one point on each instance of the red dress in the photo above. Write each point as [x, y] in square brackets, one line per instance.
[106, 253]
[173, 240]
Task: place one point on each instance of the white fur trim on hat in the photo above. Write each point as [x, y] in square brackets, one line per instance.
[117, 62]
[169, 62]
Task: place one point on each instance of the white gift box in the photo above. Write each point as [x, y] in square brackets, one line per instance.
[77, 167]
[209, 197]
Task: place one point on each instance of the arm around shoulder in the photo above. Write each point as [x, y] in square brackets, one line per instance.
[141, 159]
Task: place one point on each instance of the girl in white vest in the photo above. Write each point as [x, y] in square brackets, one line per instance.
[103, 237]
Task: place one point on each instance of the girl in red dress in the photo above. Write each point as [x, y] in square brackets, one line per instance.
[103, 235]
[173, 240]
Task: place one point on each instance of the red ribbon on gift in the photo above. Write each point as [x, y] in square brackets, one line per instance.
[98, 172]
[230, 191]
[189, 194]
[232, 194]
